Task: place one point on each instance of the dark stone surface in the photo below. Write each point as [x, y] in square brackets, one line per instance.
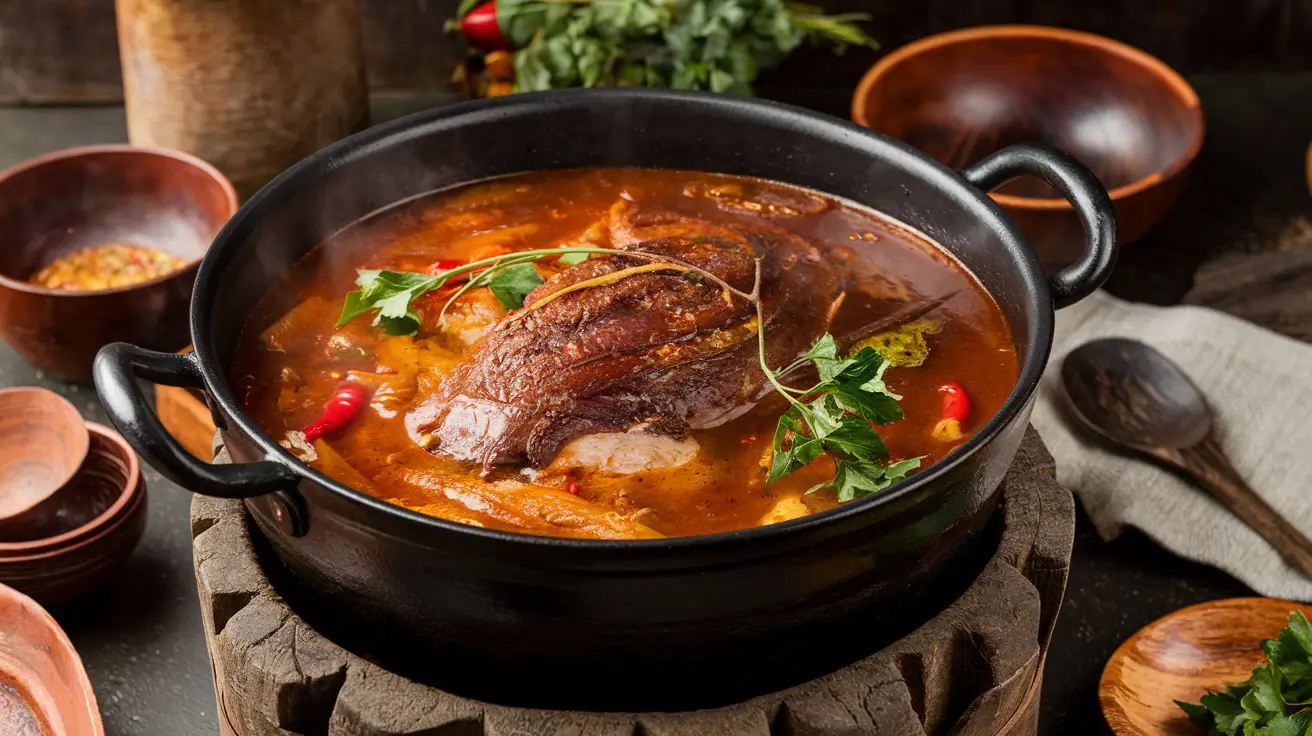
[141, 637]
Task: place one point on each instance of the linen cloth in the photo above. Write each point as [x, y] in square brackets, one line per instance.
[1259, 387]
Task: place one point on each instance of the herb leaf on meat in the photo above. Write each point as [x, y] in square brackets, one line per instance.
[512, 283]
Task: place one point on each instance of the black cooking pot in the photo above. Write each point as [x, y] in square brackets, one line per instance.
[569, 623]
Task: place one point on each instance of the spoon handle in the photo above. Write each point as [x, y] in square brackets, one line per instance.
[1207, 463]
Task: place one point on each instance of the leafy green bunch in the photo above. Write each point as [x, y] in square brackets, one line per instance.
[1275, 700]
[715, 45]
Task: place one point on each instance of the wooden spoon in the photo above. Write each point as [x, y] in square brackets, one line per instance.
[1137, 398]
[1183, 655]
[43, 441]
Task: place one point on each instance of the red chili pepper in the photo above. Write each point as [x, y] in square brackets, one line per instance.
[956, 410]
[571, 485]
[443, 265]
[481, 28]
[339, 411]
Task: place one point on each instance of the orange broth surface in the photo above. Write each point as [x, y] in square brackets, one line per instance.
[292, 357]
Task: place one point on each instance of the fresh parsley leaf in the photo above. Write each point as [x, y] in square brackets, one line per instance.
[1200, 715]
[1228, 712]
[855, 439]
[854, 480]
[512, 283]
[1265, 693]
[857, 383]
[837, 419]
[794, 449]
[354, 306]
[389, 293]
[1272, 701]
[573, 259]
[1283, 725]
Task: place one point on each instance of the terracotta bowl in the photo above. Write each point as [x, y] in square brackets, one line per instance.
[94, 531]
[962, 95]
[81, 197]
[43, 687]
[43, 441]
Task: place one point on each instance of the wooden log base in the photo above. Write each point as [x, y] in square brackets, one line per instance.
[974, 670]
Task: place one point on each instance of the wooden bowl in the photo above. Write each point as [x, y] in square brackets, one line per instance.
[58, 568]
[1180, 657]
[81, 197]
[44, 441]
[962, 95]
[43, 686]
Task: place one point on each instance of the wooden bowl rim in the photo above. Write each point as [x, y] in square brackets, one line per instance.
[1105, 698]
[1185, 94]
[83, 683]
[32, 570]
[68, 406]
[56, 544]
[225, 186]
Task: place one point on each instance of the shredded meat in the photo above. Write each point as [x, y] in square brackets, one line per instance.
[669, 349]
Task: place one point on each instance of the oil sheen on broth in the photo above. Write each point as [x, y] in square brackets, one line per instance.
[292, 358]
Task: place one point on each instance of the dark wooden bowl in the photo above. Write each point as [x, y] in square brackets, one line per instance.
[80, 197]
[962, 95]
[100, 525]
[43, 687]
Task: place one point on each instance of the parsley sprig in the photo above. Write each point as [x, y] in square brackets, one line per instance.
[1275, 700]
[837, 416]
[390, 294]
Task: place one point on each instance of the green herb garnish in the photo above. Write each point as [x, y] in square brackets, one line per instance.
[1275, 700]
[835, 416]
[389, 294]
[715, 45]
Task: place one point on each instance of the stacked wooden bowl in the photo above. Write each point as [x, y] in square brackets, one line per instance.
[72, 497]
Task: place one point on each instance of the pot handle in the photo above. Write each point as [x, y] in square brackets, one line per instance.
[117, 367]
[1085, 194]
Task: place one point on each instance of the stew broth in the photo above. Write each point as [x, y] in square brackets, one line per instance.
[292, 358]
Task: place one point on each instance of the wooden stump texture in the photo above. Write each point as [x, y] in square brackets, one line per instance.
[974, 670]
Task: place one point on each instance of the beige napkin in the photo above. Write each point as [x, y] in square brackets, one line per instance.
[1259, 385]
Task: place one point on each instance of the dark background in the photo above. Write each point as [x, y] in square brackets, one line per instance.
[66, 50]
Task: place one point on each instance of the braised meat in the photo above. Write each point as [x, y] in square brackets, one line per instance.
[664, 349]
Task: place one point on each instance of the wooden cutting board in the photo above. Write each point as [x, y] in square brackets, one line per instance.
[185, 415]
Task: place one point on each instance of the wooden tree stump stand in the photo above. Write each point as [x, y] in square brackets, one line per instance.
[974, 670]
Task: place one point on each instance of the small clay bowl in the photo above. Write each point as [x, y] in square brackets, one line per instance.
[44, 441]
[962, 95]
[91, 534]
[43, 686]
[1183, 655]
[82, 197]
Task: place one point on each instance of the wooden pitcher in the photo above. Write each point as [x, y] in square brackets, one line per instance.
[251, 86]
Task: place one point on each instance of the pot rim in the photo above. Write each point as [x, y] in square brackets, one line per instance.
[232, 204]
[1037, 299]
[1184, 94]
